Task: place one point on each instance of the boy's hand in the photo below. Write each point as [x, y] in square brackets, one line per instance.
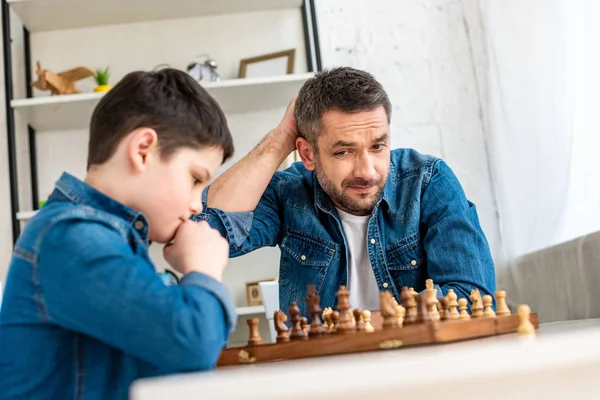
[198, 247]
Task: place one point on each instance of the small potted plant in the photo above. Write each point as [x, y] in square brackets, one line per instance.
[101, 77]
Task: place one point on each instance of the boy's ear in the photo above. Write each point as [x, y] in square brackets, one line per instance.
[306, 153]
[143, 144]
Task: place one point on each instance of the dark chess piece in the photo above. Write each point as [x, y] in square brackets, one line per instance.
[297, 331]
[314, 310]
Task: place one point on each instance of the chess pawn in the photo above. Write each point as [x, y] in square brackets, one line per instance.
[453, 304]
[400, 312]
[366, 316]
[422, 311]
[255, 338]
[501, 307]
[488, 311]
[444, 313]
[360, 323]
[463, 304]
[410, 305]
[304, 324]
[334, 321]
[525, 326]
[297, 331]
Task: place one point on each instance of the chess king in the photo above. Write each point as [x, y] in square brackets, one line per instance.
[353, 211]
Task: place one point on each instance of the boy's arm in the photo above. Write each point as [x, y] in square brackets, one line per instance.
[458, 254]
[91, 282]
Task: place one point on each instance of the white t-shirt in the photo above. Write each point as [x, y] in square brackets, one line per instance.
[364, 292]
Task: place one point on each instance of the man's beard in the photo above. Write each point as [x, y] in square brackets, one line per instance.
[344, 200]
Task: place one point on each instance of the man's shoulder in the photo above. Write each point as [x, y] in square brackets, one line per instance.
[406, 161]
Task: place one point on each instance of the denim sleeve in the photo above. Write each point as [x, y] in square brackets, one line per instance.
[91, 282]
[458, 254]
[246, 231]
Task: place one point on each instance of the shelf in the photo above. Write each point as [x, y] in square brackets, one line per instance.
[73, 111]
[49, 15]
[250, 310]
[25, 215]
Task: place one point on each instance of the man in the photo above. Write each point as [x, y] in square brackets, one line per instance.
[353, 212]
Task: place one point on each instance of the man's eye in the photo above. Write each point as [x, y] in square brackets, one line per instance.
[340, 153]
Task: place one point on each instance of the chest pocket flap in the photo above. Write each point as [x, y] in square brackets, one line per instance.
[309, 251]
[405, 255]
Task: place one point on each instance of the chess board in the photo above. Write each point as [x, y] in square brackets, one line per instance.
[421, 319]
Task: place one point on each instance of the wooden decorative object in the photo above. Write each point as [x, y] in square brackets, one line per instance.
[374, 330]
[63, 82]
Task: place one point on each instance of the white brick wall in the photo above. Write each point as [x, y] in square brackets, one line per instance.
[429, 56]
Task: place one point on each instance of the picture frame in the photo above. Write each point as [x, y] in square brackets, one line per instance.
[278, 63]
[253, 295]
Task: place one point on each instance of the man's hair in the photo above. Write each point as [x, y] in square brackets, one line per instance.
[344, 89]
[169, 101]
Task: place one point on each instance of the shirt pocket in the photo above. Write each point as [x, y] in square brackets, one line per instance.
[305, 261]
[406, 263]
[308, 251]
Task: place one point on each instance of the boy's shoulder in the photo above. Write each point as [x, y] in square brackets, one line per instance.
[69, 224]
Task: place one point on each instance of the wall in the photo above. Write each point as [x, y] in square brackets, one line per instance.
[427, 53]
[429, 56]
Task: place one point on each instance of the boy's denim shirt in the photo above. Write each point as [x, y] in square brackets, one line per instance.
[85, 313]
[422, 227]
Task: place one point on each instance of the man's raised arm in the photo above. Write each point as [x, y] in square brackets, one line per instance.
[240, 188]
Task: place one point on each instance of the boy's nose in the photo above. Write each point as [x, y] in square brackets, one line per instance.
[196, 207]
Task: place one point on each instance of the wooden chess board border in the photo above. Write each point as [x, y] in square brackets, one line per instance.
[434, 332]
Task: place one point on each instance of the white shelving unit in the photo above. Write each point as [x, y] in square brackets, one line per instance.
[53, 113]
[62, 34]
[49, 15]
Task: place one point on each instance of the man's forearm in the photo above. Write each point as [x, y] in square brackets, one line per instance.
[240, 188]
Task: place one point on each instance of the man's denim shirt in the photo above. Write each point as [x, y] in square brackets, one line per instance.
[422, 227]
[85, 313]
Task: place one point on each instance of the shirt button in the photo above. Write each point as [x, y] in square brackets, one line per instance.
[413, 262]
[139, 225]
[372, 241]
[385, 285]
[303, 257]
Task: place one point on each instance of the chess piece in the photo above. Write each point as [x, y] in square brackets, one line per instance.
[335, 319]
[422, 311]
[400, 312]
[432, 301]
[453, 304]
[360, 323]
[314, 309]
[366, 316]
[388, 312]
[525, 326]
[444, 313]
[488, 311]
[410, 305]
[476, 306]
[255, 338]
[297, 331]
[463, 304]
[345, 323]
[326, 320]
[304, 324]
[501, 307]
[283, 334]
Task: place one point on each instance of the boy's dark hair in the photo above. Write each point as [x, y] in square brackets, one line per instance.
[343, 88]
[169, 101]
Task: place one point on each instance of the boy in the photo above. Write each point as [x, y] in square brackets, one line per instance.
[84, 312]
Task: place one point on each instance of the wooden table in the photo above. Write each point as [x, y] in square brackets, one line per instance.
[561, 361]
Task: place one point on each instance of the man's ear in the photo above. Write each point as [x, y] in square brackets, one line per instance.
[306, 153]
[142, 146]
